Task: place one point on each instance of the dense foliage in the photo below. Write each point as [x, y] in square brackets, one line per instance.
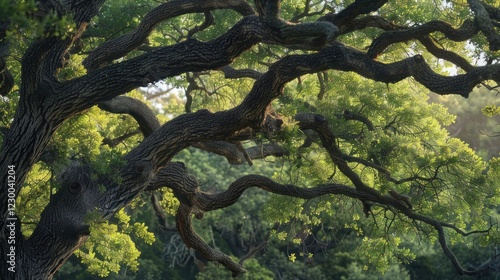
[147, 114]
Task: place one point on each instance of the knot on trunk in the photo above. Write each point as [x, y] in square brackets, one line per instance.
[75, 199]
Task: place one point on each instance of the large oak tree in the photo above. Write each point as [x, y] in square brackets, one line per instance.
[290, 43]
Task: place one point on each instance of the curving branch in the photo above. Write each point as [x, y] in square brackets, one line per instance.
[348, 115]
[209, 202]
[149, 166]
[320, 125]
[187, 56]
[445, 54]
[316, 34]
[235, 155]
[485, 23]
[119, 47]
[192, 55]
[193, 240]
[157, 150]
[145, 118]
[148, 123]
[421, 34]
[209, 21]
[357, 8]
[464, 32]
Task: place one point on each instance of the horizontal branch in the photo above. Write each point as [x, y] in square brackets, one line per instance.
[157, 149]
[119, 47]
[464, 32]
[188, 56]
[235, 155]
[357, 8]
[209, 202]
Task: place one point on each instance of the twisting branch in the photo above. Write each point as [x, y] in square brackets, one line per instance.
[192, 55]
[485, 24]
[464, 32]
[156, 150]
[63, 228]
[445, 54]
[320, 125]
[121, 46]
[314, 122]
[209, 202]
[357, 8]
[209, 21]
[348, 115]
[316, 34]
[193, 240]
[141, 112]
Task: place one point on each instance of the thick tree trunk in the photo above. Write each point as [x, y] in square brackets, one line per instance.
[45, 103]
[22, 147]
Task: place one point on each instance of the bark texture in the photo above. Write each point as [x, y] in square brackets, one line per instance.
[46, 102]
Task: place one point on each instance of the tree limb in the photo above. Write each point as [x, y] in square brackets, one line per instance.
[485, 24]
[137, 109]
[464, 32]
[120, 46]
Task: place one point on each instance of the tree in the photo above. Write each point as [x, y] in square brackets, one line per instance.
[363, 142]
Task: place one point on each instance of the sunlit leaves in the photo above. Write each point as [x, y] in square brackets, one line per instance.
[107, 250]
[394, 129]
[111, 246]
[491, 110]
[169, 202]
[404, 134]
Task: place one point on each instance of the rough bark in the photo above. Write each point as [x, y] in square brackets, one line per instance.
[45, 103]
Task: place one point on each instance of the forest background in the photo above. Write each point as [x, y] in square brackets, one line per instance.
[429, 159]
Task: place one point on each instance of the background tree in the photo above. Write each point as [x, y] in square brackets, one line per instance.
[332, 92]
